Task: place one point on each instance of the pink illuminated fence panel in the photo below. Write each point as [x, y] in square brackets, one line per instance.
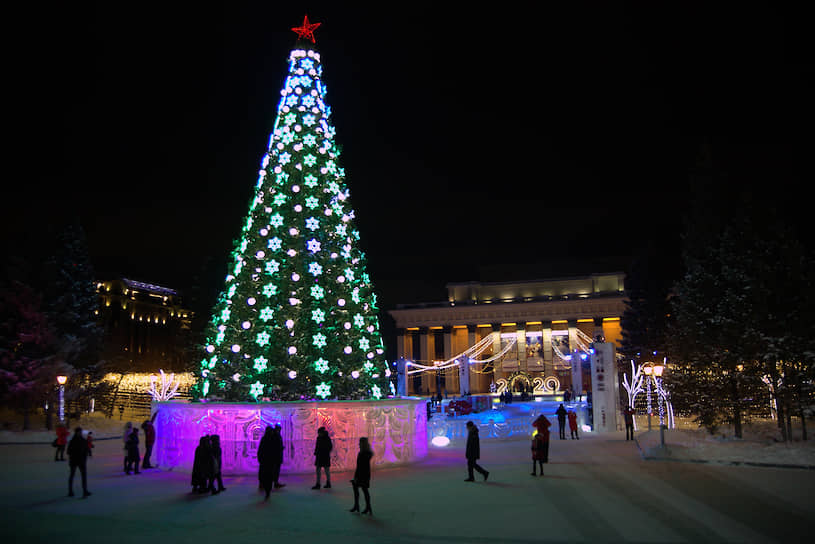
[396, 428]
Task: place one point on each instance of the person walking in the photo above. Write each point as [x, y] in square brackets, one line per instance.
[125, 436]
[628, 416]
[322, 457]
[149, 440]
[215, 448]
[132, 447]
[78, 459]
[267, 461]
[473, 453]
[362, 476]
[573, 424]
[90, 443]
[203, 466]
[60, 442]
[540, 452]
[561, 421]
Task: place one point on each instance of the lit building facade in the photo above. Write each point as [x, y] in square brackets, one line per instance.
[145, 325]
[550, 322]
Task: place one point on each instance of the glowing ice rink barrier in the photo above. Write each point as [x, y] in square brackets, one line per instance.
[396, 429]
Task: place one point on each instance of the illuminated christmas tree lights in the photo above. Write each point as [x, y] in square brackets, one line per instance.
[297, 318]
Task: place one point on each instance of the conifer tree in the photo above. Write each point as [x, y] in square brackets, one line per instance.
[297, 318]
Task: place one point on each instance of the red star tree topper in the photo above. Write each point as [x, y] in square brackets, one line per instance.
[307, 30]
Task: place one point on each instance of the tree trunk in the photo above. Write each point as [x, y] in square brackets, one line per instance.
[779, 401]
[26, 414]
[734, 383]
[787, 400]
[800, 395]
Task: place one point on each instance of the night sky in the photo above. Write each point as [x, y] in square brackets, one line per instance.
[488, 143]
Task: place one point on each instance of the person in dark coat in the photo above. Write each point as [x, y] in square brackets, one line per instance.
[540, 444]
[277, 455]
[132, 448]
[125, 436]
[203, 466]
[215, 448]
[322, 457]
[362, 476]
[628, 416]
[561, 421]
[60, 442]
[473, 453]
[78, 459]
[149, 440]
[267, 460]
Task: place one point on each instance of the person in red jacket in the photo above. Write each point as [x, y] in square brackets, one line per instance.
[573, 424]
[61, 442]
[540, 444]
[90, 443]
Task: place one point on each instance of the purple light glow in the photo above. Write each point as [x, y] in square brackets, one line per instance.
[396, 429]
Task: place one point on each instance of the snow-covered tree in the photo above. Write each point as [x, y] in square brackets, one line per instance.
[29, 350]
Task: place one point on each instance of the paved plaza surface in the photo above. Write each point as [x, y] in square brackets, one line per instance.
[597, 489]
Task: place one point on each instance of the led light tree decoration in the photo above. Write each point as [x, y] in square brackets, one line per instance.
[634, 387]
[297, 318]
[167, 389]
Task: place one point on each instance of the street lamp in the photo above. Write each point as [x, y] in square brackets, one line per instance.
[61, 381]
[648, 370]
[659, 368]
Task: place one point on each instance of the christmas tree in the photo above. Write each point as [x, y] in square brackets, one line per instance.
[297, 318]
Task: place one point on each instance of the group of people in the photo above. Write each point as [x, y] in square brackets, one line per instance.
[206, 466]
[206, 472]
[562, 415]
[540, 449]
[270, 458]
[130, 442]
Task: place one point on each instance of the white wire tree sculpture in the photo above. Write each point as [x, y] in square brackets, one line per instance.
[633, 387]
[167, 389]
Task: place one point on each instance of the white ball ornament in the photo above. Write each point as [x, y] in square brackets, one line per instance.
[292, 350]
[289, 323]
[235, 348]
[347, 349]
[246, 325]
[341, 302]
[251, 301]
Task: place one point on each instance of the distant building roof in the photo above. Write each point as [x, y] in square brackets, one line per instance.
[149, 287]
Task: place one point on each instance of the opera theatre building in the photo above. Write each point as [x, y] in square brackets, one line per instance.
[531, 336]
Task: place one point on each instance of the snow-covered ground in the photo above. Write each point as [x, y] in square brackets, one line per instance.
[596, 489]
[759, 445]
[101, 426]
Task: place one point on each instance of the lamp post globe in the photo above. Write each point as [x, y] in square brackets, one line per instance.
[61, 381]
